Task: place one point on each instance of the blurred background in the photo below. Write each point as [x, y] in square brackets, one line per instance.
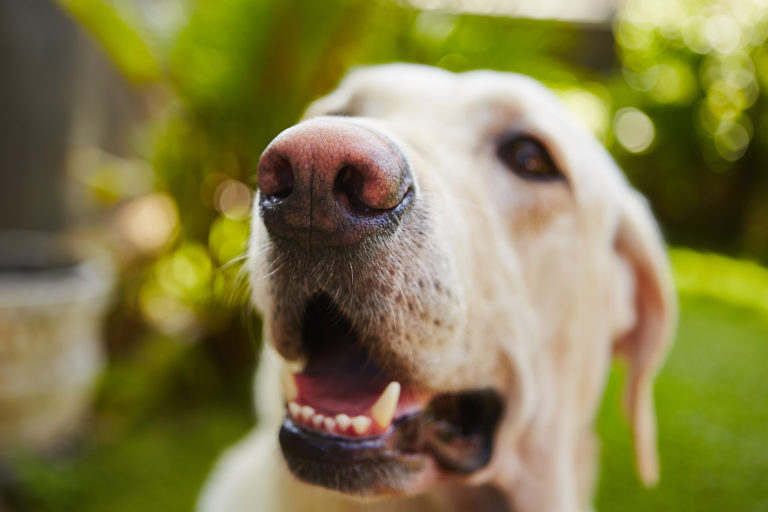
[129, 136]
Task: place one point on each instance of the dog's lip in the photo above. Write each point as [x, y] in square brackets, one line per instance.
[402, 439]
[363, 466]
[456, 431]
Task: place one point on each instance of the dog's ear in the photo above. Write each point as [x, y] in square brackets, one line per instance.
[649, 320]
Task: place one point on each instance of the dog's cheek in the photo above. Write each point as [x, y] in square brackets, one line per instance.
[417, 315]
[444, 329]
[407, 300]
[448, 339]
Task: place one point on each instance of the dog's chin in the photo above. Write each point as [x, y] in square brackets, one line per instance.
[363, 467]
[452, 436]
[354, 427]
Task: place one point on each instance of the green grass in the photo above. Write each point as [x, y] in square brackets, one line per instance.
[711, 396]
[156, 466]
[712, 408]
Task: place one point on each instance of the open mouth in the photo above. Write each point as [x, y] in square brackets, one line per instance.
[355, 427]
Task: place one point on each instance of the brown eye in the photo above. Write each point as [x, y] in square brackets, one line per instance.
[528, 159]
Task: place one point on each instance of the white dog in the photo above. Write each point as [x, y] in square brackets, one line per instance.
[446, 264]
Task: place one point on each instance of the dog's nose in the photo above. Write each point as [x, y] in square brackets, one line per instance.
[330, 181]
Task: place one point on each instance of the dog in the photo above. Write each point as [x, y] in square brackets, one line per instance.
[446, 265]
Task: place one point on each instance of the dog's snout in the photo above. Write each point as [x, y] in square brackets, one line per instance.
[328, 181]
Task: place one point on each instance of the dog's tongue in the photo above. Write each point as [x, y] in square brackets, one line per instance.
[348, 382]
[342, 383]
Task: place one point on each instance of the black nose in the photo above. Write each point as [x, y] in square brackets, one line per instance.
[332, 182]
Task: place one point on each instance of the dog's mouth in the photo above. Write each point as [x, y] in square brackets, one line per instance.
[355, 427]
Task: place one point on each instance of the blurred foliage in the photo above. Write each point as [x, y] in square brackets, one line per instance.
[128, 50]
[699, 70]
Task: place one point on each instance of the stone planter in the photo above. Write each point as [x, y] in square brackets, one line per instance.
[51, 311]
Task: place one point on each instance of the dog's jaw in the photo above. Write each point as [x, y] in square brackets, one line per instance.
[353, 426]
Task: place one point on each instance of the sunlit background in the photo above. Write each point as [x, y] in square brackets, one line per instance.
[129, 134]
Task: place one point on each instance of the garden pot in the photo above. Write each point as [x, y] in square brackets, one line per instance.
[52, 307]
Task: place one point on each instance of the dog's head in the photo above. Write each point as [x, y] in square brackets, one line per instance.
[446, 264]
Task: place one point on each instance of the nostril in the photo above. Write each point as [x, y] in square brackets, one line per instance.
[370, 190]
[349, 183]
[276, 180]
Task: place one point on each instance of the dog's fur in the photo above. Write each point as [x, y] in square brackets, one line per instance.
[493, 281]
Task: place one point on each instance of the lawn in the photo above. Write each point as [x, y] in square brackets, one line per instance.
[712, 401]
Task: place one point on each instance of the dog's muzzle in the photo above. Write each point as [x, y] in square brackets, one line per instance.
[335, 190]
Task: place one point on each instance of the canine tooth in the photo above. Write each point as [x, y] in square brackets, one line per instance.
[318, 420]
[329, 424]
[343, 421]
[361, 424]
[294, 409]
[290, 391]
[307, 412]
[298, 365]
[384, 408]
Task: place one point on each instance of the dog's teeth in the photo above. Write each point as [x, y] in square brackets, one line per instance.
[317, 420]
[290, 391]
[294, 409]
[343, 421]
[329, 424]
[361, 424]
[307, 412]
[384, 409]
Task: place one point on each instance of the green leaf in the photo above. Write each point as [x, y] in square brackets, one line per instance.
[121, 41]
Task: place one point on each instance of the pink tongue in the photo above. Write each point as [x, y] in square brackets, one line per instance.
[339, 394]
[345, 381]
[349, 382]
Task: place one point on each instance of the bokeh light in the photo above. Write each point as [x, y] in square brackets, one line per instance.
[148, 222]
[731, 140]
[588, 107]
[633, 129]
[233, 199]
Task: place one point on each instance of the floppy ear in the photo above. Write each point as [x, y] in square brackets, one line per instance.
[645, 341]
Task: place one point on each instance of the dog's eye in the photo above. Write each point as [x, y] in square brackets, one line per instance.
[528, 159]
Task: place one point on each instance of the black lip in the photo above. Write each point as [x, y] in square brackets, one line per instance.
[403, 437]
[365, 466]
[456, 431]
